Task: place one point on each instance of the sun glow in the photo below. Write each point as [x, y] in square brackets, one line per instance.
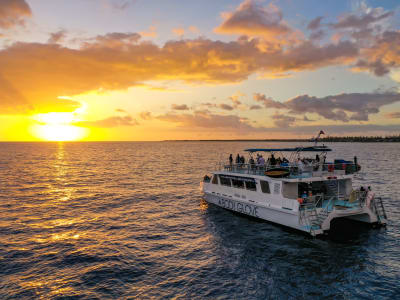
[57, 127]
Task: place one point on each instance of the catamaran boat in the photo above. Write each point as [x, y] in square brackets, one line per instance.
[298, 191]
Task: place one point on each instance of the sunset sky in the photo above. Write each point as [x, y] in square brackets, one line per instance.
[170, 69]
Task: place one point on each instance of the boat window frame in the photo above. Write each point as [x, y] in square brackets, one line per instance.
[222, 179]
[242, 186]
[251, 182]
[263, 189]
[214, 179]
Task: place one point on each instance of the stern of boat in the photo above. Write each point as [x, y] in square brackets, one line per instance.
[362, 207]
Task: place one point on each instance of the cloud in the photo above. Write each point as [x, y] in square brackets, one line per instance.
[250, 18]
[315, 24]
[383, 56]
[13, 13]
[110, 122]
[240, 126]
[255, 107]
[342, 107]
[120, 110]
[121, 4]
[225, 106]
[194, 29]
[152, 32]
[393, 115]
[235, 99]
[179, 107]
[204, 119]
[268, 102]
[56, 37]
[306, 119]
[117, 61]
[178, 31]
[115, 40]
[146, 115]
[359, 22]
[283, 121]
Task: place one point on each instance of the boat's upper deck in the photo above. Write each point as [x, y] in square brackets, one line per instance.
[292, 171]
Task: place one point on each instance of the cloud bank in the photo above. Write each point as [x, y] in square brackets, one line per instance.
[13, 13]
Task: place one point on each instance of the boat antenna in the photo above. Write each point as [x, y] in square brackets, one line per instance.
[317, 138]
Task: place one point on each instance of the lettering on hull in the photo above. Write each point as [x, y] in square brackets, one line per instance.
[247, 209]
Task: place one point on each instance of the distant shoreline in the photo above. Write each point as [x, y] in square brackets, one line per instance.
[323, 140]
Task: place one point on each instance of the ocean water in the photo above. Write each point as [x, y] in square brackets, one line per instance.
[127, 221]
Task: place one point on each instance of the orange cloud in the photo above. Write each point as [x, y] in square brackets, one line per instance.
[252, 19]
[110, 122]
[33, 75]
[178, 31]
[193, 29]
[152, 32]
[13, 13]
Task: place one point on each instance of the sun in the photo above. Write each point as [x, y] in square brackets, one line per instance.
[57, 127]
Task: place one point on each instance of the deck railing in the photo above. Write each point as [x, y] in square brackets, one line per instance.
[295, 170]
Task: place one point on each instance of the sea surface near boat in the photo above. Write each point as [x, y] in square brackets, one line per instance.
[121, 220]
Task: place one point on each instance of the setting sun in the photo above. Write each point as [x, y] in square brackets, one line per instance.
[57, 127]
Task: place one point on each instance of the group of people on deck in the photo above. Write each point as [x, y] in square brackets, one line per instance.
[260, 160]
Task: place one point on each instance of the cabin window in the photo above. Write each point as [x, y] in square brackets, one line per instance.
[277, 188]
[251, 186]
[214, 179]
[225, 180]
[265, 187]
[290, 190]
[239, 184]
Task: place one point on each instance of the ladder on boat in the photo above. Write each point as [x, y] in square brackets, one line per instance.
[379, 210]
[314, 218]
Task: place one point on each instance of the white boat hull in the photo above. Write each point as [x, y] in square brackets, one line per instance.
[286, 217]
[282, 217]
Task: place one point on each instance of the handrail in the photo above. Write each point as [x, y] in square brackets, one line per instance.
[293, 168]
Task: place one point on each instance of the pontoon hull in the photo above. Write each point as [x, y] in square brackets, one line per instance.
[286, 217]
[282, 217]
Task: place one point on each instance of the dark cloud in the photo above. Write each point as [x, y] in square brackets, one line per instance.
[225, 106]
[317, 35]
[235, 124]
[338, 107]
[315, 24]
[57, 37]
[179, 107]
[110, 122]
[362, 21]
[255, 107]
[268, 102]
[283, 121]
[13, 13]
[342, 107]
[204, 119]
[118, 40]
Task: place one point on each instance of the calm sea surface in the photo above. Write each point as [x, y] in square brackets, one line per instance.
[126, 220]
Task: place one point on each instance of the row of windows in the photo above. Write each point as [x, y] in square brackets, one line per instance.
[239, 183]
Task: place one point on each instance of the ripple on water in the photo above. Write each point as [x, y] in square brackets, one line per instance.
[126, 220]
